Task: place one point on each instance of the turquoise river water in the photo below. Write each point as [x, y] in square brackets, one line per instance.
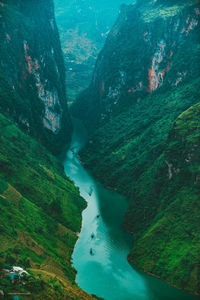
[106, 271]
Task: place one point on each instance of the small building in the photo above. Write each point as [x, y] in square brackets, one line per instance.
[19, 270]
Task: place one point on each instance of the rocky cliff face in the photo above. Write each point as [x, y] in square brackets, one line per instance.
[32, 71]
[146, 76]
[149, 47]
[40, 208]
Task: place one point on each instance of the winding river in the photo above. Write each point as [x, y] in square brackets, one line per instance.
[101, 250]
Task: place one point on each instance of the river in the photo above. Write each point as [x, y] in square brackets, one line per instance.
[106, 272]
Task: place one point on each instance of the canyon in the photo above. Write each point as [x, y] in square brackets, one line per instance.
[134, 84]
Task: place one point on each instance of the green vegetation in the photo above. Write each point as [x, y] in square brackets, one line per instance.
[40, 208]
[170, 246]
[170, 9]
[28, 286]
[146, 77]
[40, 213]
[141, 136]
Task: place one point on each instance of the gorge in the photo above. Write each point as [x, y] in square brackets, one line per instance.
[141, 110]
[107, 272]
[131, 182]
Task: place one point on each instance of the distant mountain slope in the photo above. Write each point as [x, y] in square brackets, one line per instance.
[83, 27]
[32, 73]
[145, 77]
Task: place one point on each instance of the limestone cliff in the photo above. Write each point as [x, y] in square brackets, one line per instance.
[32, 71]
[153, 44]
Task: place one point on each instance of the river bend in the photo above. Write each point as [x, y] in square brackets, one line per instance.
[102, 248]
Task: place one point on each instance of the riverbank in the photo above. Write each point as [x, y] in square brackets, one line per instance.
[134, 264]
[107, 273]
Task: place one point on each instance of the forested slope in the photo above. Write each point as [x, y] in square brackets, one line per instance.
[146, 76]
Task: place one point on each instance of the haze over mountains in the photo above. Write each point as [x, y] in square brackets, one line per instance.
[83, 26]
[133, 77]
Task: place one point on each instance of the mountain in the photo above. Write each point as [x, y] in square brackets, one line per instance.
[32, 72]
[83, 27]
[167, 204]
[40, 208]
[151, 46]
[141, 110]
[40, 212]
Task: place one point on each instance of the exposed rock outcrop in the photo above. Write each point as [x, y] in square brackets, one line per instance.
[32, 71]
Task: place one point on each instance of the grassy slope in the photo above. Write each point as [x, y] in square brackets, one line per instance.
[40, 213]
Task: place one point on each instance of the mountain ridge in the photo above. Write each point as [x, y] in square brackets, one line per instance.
[146, 77]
